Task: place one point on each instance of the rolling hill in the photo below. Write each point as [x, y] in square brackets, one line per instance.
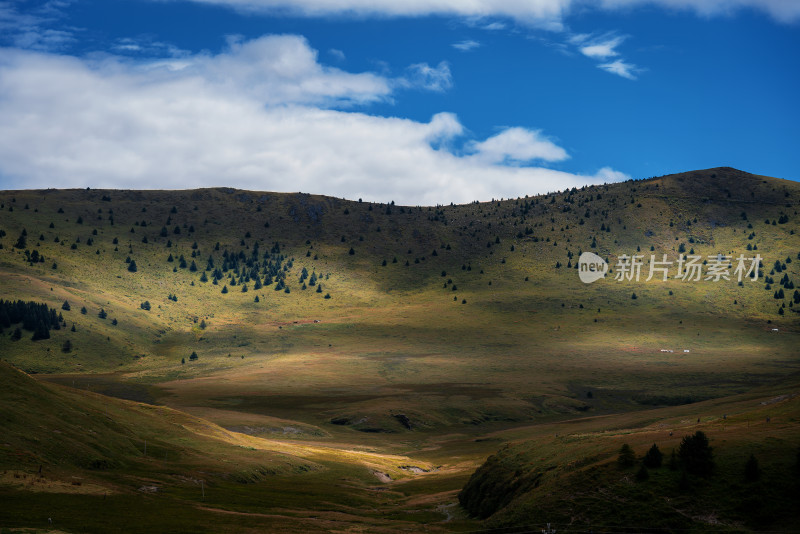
[384, 352]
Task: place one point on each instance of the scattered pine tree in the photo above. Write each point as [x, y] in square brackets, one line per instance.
[626, 457]
[653, 459]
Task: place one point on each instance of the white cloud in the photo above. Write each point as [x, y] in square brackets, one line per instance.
[578, 38]
[540, 13]
[146, 46]
[619, 67]
[337, 54]
[282, 69]
[517, 145]
[495, 26]
[29, 29]
[781, 10]
[43, 38]
[609, 175]
[466, 45]
[602, 48]
[528, 10]
[54, 7]
[424, 76]
[257, 117]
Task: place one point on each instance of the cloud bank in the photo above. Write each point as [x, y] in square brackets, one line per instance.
[536, 12]
[266, 115]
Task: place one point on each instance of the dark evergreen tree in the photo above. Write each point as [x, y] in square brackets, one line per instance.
[653, 458]
[752, 471]
[35, 317]
[22, 240]
[65, 306]
[132, 266]
[40, 332]
[695, 454]
[626, 457]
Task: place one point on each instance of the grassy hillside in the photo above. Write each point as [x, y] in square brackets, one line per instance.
[95, 464]
[569, 474]
[427, 336]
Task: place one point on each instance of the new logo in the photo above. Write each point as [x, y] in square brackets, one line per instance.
[591, 267]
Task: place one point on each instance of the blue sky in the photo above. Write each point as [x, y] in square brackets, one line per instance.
[421, 102]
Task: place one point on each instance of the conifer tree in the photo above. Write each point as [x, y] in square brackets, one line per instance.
[695, 454]
[752, 471]
[626, 457]
[653, 458]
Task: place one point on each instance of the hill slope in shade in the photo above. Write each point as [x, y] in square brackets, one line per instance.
[99, 465]
[569, 474]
